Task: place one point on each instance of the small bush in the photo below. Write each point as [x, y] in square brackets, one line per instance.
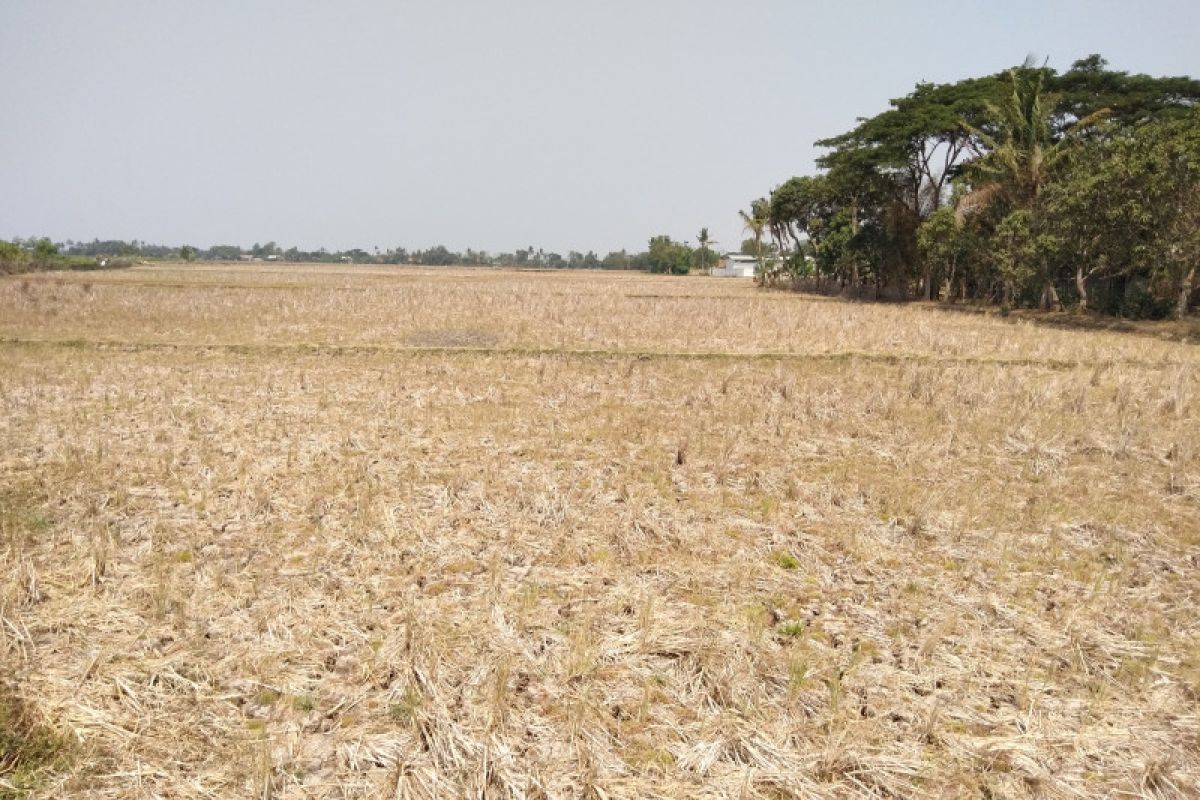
[12, 258]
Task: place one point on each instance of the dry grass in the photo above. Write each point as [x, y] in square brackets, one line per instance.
[448, 533]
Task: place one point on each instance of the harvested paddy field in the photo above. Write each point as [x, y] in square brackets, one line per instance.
[318, 532]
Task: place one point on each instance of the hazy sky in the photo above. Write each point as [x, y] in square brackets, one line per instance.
[493, 124]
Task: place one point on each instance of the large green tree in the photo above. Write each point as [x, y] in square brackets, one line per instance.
[1000, 143]
[667, 256]
[1131, 100]
[1021, 157]
[947, 248]
[1138, 203]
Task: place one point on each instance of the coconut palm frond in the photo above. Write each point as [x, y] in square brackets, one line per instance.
[979, 134]
[1087, 123]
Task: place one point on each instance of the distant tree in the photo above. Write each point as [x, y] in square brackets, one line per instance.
[224, 252]
[756, 223]
[617, 259]
[666, 256]
[187, 252]
[476, 257]
[437, 256]
[705, 258]
[12, 256]
[396, 255]
[44, 249]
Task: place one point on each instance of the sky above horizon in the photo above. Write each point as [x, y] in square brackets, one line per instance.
[490, 125]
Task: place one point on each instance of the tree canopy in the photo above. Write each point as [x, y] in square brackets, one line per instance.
[1026, 186]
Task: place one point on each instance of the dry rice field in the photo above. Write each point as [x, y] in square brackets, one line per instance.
[332, 532]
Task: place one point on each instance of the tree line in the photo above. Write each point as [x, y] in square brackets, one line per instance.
[1025, 188]
[661, 255]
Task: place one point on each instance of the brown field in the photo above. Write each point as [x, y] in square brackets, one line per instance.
[316, 532]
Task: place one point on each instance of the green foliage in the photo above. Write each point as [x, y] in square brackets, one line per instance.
[792, 630]
[1019, 187]
[755, 222]
[12, 257]
[946, 248]
[1015, 252]
[44, 249]
[1130, 99]
[29, 751]
[1153, 178]
[223, 252]
[784, 560]
[798, 207]
[666, 256]
[40, 254]
[437, 256]
[704, 257]
[617, 259]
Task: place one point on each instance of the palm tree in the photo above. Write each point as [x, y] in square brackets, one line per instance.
[756, 222]
[1023, 154]
[703, 241]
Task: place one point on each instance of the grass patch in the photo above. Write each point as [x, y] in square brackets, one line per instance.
[30, 751]
[784, 560]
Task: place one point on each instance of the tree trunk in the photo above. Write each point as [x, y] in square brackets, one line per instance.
[1081, 287]
[947, 290]
[854, 258]
[928, 283]
[1186, 286]
[1050, 297]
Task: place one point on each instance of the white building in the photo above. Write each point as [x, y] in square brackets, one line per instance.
[735, 265]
